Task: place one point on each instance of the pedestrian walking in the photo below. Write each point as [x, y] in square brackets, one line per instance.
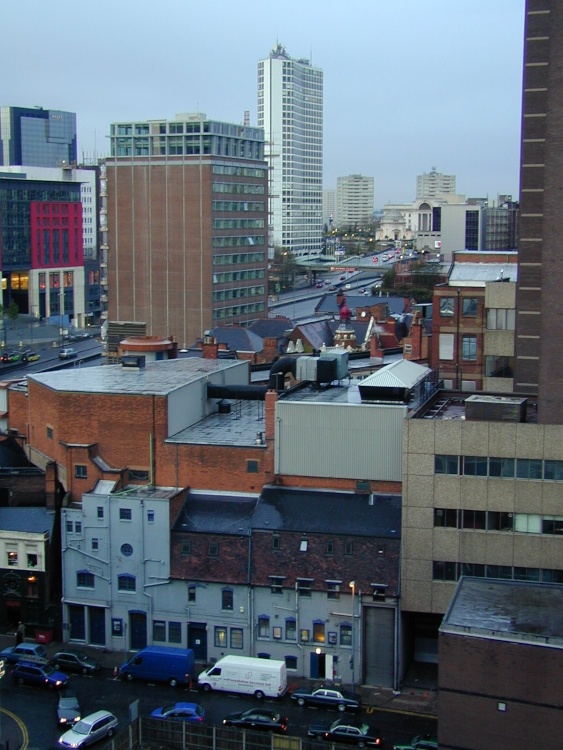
[20, 634]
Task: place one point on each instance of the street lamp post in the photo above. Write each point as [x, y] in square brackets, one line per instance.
[352, 658]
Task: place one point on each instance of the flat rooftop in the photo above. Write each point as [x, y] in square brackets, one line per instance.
[518, 611]
[156, 378]
[448, 406]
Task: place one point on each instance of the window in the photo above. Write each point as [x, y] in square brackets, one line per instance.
[12, 557]
[501, 320]
[499, 521]
[499, 571]
[473, 569]
[330, 547]
[319, 631]
[69, 527]
[469, 307]
[175, 632]
[126, 550]
[473, 519]
[220, 637]
[80, 471]
[263, 626]
[475, 466]
[78, 527]
[125, 514]
[304, 586]
[275, 541]
[100, 512]
[227, 599]
[276, 584]
[32, 587]
[447, 306]
[348, 548]
[333, 589]
[378, 593]
[446, 346]
[444, 571]
[126, 582]
[191, 593]
[501, 467]
[213, 549]
[186, 547]
[50, 433]
[529, 468]
[446, 464]
[236, 638]
[345, 634]
[252, 467]
[553, 470]
[445, 518]
[499, 367]
[528, 523]
[85, 579]
[159, 630]
[290, 629]
[95, 545]
[150, 516]
[291, 662]
[31, 560]
[469, 348]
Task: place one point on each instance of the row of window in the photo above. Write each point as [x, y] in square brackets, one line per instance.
[247, 275]
[238, 205]
[491, 466]
[238, 241]
[233, 259]
[330, 546]
[488, 520]
[239, 171]
[223, 295]
[31, 558]
[232, 312]
[316, 634]
[125, 582]
[238, 223]
[125, 514]
[242, 188]
[452, 571]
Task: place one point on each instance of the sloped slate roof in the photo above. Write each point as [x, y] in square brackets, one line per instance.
[271, 327]
[326, 512]
[400, 374]
[30, 520]
[328, 304]
[316, 332]
[217, 514]
[238, 339]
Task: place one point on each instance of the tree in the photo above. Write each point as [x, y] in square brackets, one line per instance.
[13, 311]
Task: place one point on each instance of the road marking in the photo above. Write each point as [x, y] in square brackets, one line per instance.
[21, 725]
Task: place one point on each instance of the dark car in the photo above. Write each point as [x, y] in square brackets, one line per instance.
[68, 710]
[319, 285]
[327, 698]
[191, 712]
[75, 661]
[258, 718]
[43, 675]
[11, 357]
[28, 651]
[426, 742]
[352, 734]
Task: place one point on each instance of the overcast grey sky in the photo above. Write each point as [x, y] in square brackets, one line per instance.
[408, 84]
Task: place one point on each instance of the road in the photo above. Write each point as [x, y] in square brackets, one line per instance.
[36, 707]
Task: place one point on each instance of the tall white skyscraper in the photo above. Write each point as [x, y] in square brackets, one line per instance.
[354, 201]
[432, 184]
[290, 109]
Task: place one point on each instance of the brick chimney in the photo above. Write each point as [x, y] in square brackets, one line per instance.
[210, 347]
[270, 415]
[375, 349]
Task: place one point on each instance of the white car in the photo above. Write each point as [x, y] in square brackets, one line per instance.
[90, 729]
[67, 353]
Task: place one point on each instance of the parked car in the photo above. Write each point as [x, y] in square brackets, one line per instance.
[68, 710]
[426, 742]
[72, 660]
[67, 353]
[91, 728]
[30, 356]
[327, 698]
[258, 718]
[352, 734]
[29, 651]
[319, 285]
[11, 357]
[191, 712]
[43, 675]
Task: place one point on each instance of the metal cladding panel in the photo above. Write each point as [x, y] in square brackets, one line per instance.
[350, 441]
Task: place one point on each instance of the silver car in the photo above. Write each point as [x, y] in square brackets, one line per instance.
[90, 729]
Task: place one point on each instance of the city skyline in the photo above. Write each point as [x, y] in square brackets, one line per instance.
[407, 86]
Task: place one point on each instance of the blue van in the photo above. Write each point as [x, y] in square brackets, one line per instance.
[161, 664]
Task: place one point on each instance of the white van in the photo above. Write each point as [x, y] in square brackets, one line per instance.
[246, 674]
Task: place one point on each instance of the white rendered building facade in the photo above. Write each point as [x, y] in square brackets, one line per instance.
[354, 200]
[290, 109]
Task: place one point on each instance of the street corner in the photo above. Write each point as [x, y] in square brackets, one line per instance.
[14, 731]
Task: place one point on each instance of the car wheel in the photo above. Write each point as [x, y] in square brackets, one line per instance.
[85, 670]
[111, 732]
[129, 676]
[206, 687]
[361, 744]
[301, 701]
[19, 681]
[57, 666]
[259, 695]
[172, 682]
[341, 707]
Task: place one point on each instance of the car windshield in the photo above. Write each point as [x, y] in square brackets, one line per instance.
[80, 655]
[48, 670]
[82, 728]
[167, 709]
[334, 725]
[364, 729]
[67, 701]
[199, 710]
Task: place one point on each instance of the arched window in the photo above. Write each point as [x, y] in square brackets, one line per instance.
[126, 582]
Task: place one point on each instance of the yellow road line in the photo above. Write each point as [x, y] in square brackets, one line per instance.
[21, 725]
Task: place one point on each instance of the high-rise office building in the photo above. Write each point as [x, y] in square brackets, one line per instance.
[186, 204]
[290, 109]
[37, 137]
[354, 201]
[539, 321]
[432, 184]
